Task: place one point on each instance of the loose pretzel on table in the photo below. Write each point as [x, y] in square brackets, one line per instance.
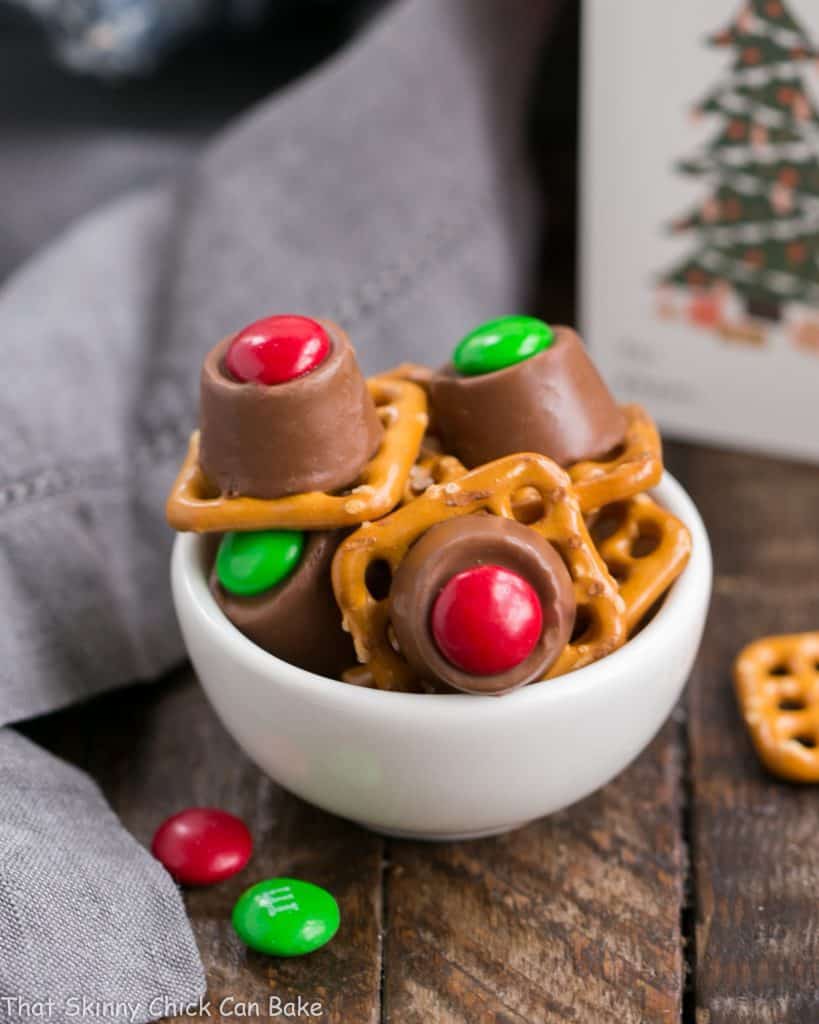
[777, 687]
[489, 488]
[194, 505]
[620, 530]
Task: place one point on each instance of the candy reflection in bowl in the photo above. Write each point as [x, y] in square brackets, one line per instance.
[439, 602]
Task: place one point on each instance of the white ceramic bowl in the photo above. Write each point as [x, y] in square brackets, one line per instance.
[446, 766]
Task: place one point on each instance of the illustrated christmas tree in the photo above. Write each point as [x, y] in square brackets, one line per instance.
[758, 228]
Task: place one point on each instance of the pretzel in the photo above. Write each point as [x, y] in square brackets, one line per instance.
[635, 465]
[432, 467]
[777, 686]
[600, 609]
[645, 549]
[194, 505]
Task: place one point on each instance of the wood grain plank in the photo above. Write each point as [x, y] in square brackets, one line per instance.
[157, 749]
[756, 855]
[574, 918]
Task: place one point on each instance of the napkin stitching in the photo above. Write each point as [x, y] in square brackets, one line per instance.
[390, 284]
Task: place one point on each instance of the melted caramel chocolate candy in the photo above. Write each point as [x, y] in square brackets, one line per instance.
[454, 547]
[553, 403]
[297, 619]
[314, 432]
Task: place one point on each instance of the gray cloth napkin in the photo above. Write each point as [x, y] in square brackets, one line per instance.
[388, 190]
[59, 838]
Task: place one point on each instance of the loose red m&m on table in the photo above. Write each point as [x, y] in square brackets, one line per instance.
[486, 620]
[202, 845]
[277, 349]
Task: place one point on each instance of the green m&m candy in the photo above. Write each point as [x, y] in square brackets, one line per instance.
[285, 917]
[501, 343]
[250, 563]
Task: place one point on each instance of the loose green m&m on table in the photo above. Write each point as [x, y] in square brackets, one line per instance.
[250, 563]
[285, 917]
[501, 343]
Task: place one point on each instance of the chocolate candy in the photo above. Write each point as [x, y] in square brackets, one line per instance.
[297, 618]
[553, 402]
[285, 917]
[312, 433]
[501, 343]
[454, 547]
[486, 620]
[250, 563]
[277, 349]
[202, 845]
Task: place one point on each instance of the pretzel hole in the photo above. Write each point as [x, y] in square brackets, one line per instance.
[206, 491]
[646, 542]
[608, 523]
[617, 452]
[649, 615]
[806, 741]
[582, 624]
[779, 670]
[378, 578]
[792, 704]
[528, 505]
[388, 414]
[618, 571]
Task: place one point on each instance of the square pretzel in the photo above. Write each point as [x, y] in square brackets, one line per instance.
[636, 464]
[777, 686]
[600, 609]
[432, 467]
[402, 406]
[645, 549]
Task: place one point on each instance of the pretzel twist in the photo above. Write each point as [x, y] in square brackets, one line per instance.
[645, 549]
[194, 505]
[777, 687]
[490, 488]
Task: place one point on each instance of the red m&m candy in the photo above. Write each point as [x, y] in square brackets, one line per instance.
[277, 349]
[486, 620]
[202, 845]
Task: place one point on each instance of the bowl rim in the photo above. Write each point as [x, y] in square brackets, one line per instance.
[190, 585]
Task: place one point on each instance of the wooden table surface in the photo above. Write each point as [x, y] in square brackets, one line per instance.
[686, 890]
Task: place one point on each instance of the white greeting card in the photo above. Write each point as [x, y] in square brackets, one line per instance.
[700, 214]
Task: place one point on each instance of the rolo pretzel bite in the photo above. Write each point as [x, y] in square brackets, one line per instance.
[402, 406]
[600, 621]
[777, 686]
